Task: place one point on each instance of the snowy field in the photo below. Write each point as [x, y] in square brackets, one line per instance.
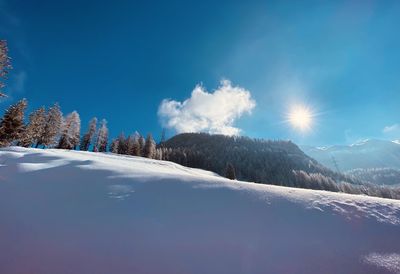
[82, 213]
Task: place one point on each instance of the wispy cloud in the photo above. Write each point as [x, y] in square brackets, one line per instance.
[392, 128]
[212, 112]
[392, 131]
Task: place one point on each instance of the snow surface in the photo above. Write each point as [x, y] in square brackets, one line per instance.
[81, 212]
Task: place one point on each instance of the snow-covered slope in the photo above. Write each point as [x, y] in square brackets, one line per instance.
[80, 212]
[369, 153]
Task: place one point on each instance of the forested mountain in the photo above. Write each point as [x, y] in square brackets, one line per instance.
[262, 161]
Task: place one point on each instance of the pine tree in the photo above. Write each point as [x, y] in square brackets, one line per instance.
[35, 128]
[5, 64]
[142, 143]
[52, 127]
[12, 124]
[230, 172]
[75, 130]
[130, 144]
[136, 151]
[71, 131]
[149, 147]
[159, 154]
[87, 139]
[122, 147]
[102, 137]
[114, 146]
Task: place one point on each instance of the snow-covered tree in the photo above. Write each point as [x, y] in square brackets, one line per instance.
[70, 133]
[136, 151]
[5, 64]
[122, 144]
[35, 128]
[132, 144]
[87, 139]
[129, 144]
[102, 137]
[159, 154]
[142, 143]
[150, 147]
[75, 129]
[12, 124]
[114, 146]
[52, 127]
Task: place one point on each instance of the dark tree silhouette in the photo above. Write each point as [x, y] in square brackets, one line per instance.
[230, 172]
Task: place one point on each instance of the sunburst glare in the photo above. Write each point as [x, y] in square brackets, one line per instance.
[301, 117]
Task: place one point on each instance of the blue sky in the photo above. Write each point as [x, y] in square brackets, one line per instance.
[119, 60]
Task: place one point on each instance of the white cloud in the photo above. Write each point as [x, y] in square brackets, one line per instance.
[212, 112]
[392, 128]
[391, 132]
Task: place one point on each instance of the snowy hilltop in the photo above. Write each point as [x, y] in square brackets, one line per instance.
[79, 212]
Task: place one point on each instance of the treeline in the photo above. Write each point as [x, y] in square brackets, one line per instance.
[379, 176]
[320, 182]
[49, 128]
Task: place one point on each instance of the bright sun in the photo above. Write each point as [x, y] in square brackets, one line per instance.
[300, 117]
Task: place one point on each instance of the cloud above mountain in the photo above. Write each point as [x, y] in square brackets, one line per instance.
[213, 112]
[392, 131]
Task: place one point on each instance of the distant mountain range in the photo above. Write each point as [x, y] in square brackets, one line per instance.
[374, 161]
[366, 154]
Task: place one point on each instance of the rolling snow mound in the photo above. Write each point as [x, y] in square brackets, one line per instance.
[83, 212]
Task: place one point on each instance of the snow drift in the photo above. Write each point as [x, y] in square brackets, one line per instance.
[81, 212]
